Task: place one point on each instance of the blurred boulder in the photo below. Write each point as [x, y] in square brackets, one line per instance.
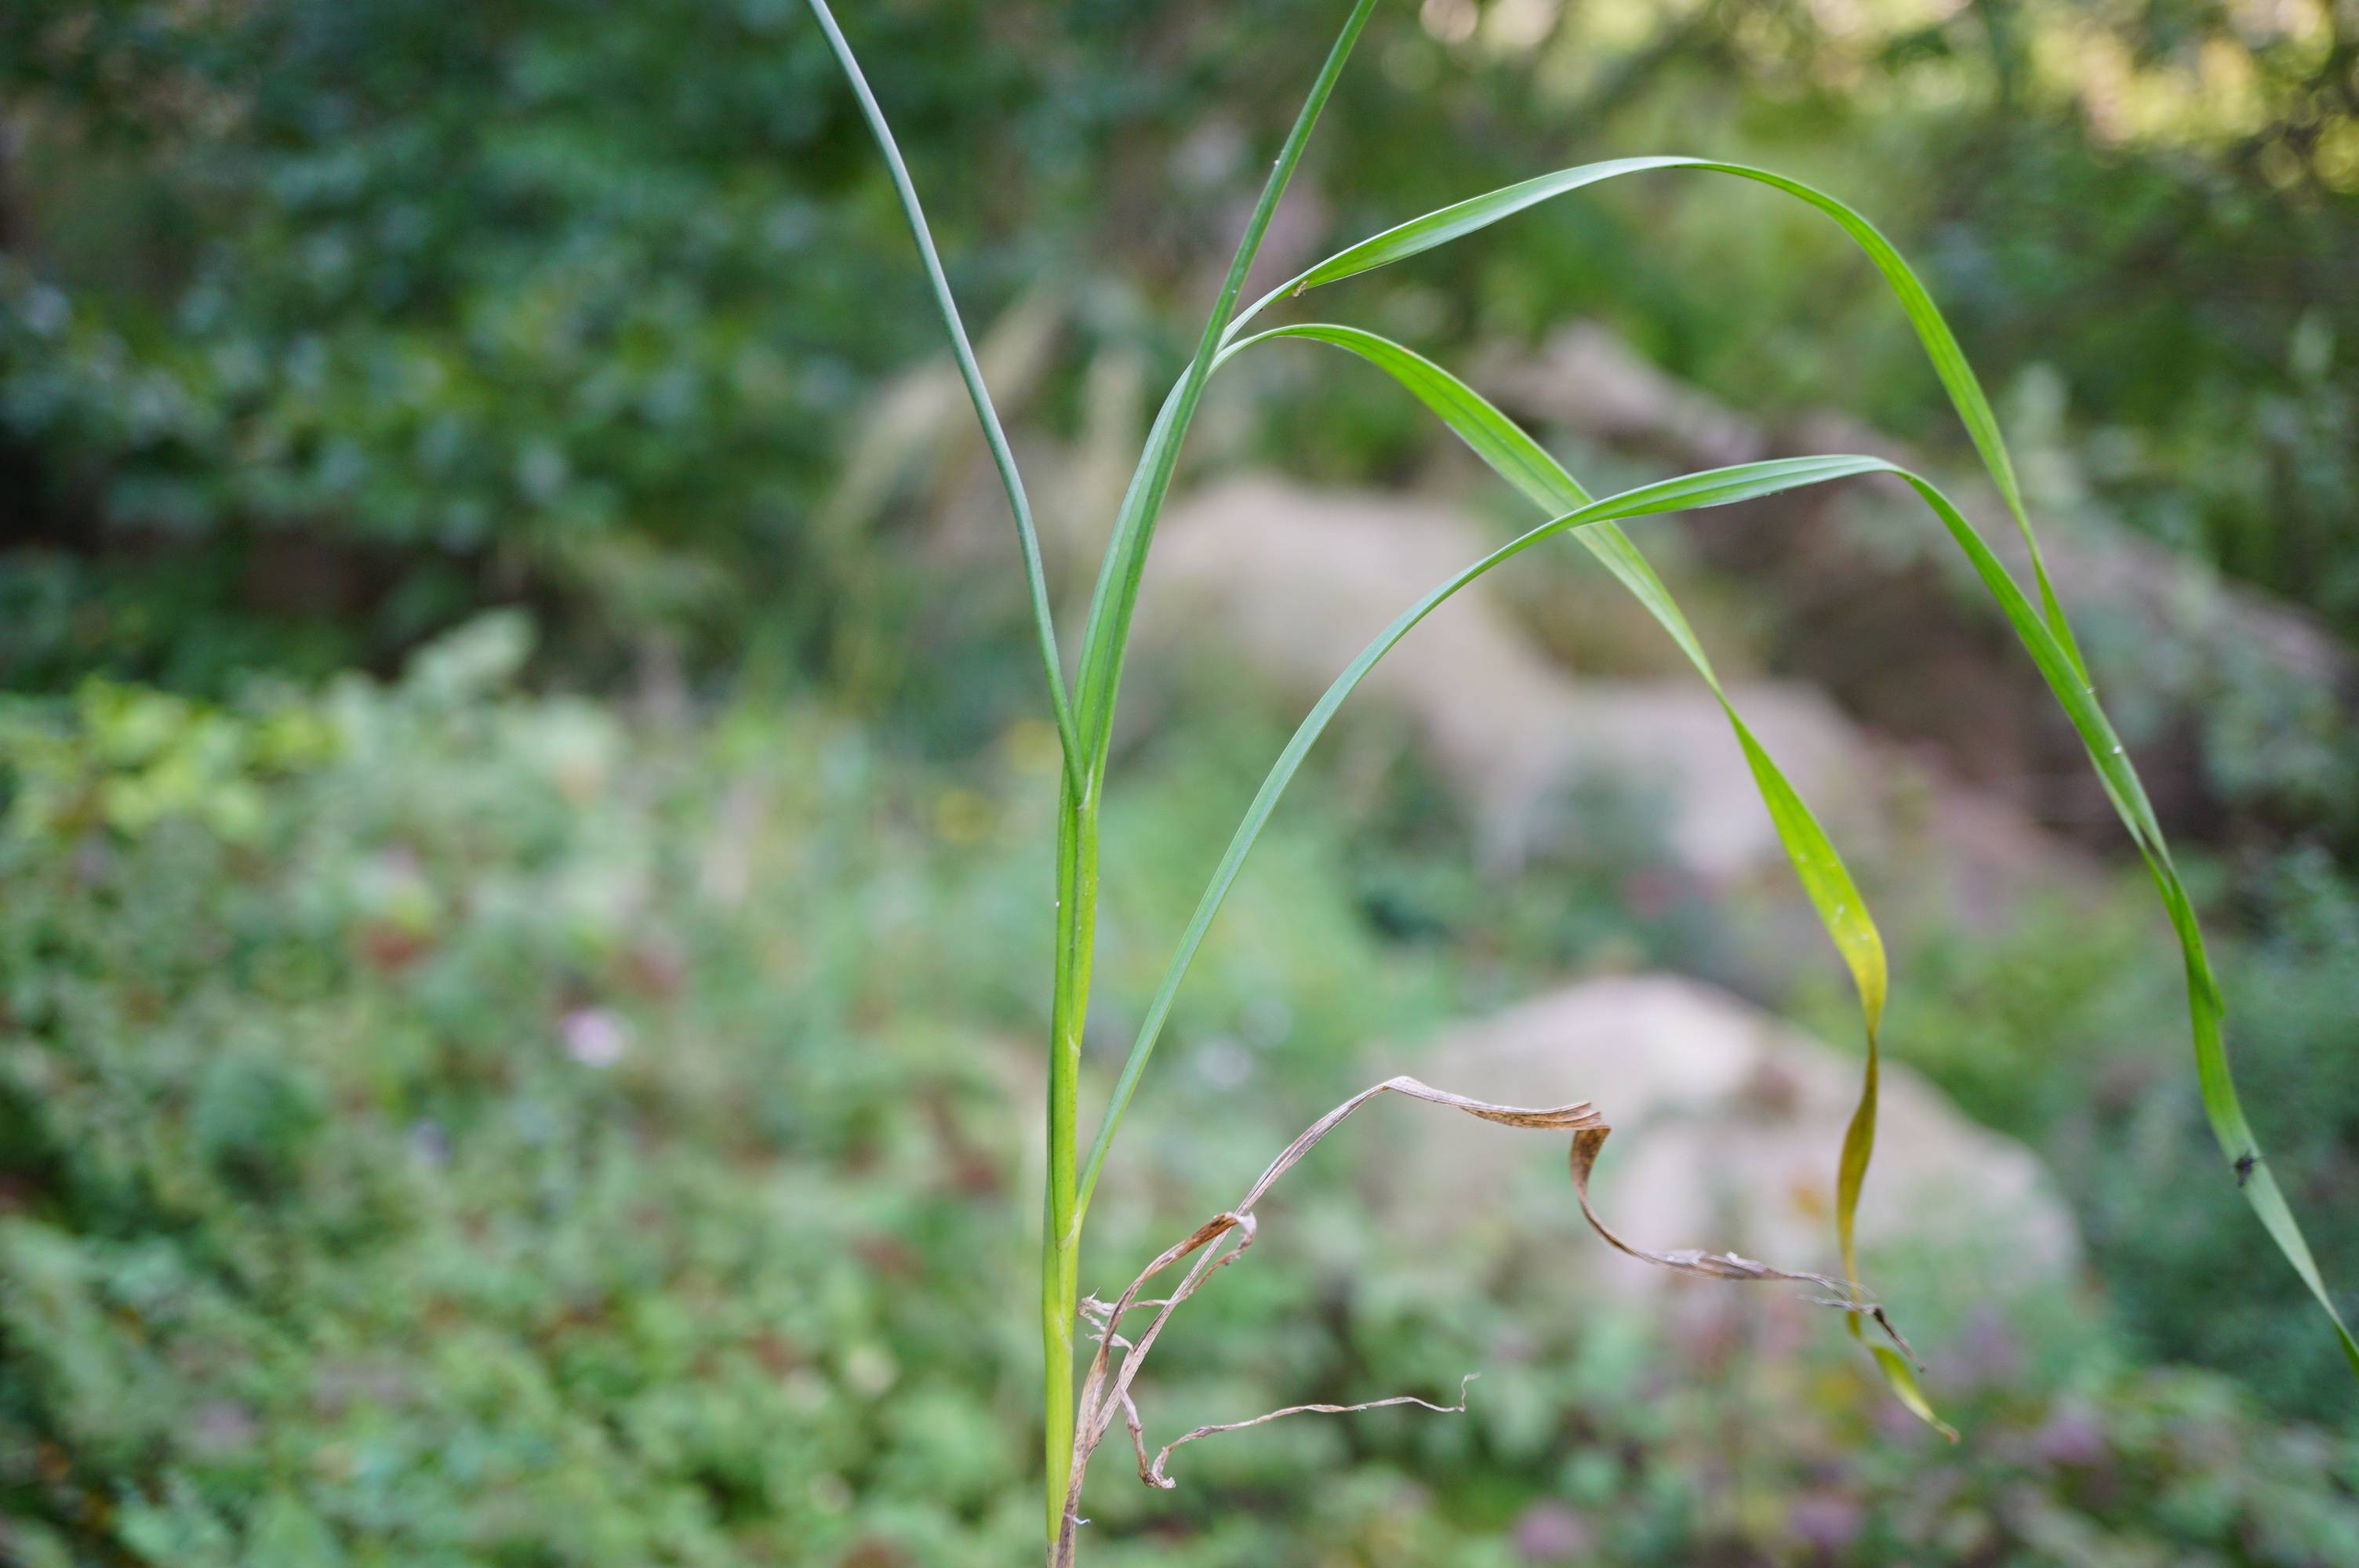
[1293, 582]
[1586, 378]
[1726, 1126]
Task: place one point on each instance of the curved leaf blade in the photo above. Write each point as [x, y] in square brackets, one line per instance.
[1524, 463]
[1027, 537]
[1717, 487]
[1949, 361]
[2057, 653]
[2050, 655]
[2222, 1105]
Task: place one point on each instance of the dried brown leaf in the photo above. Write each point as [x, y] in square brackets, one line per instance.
[1223, 1240]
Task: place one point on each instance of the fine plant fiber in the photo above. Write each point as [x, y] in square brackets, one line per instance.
[1084, 715]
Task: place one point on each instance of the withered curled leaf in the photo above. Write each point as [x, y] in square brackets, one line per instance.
[1223, 1240]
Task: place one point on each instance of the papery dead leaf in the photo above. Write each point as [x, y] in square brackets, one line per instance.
[1223, 1240]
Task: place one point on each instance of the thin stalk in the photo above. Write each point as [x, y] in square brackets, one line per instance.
[1077, 842]
[1099, 680]
[1027, 537]
[1061, 1247]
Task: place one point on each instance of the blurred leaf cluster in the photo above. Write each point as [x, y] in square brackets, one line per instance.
[542, 1136]
[322, 322]
[445, 1122]
[129, 757]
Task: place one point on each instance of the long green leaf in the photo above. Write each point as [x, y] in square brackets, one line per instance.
[2056, 664]
[1719, 487]
[2221, 1104]
[1524, 463]
[1105, 641]
[1445, 224]
[1974, 409]
[1027, 537]
[1513, 454]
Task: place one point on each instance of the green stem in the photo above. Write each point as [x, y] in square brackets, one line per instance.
[1061, 1249]
[1084, 733]
[1099, 680]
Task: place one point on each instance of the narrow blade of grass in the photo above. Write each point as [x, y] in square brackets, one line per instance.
[1027, 537]
[2073, 692]
[1105, 640]
[1957, 377]
[1949, 361]
[1524, 463]
[1716, 488]
[2222, 1105]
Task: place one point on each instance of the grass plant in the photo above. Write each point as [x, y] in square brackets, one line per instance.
[1084, 709]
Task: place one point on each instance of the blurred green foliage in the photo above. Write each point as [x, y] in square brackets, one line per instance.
[552, 1139]
[127, 757]
[444, 1124]
[322, 323]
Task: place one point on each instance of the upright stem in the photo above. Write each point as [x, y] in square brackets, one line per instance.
[1083, 734]
[1061, 1249]
[1099, 680]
